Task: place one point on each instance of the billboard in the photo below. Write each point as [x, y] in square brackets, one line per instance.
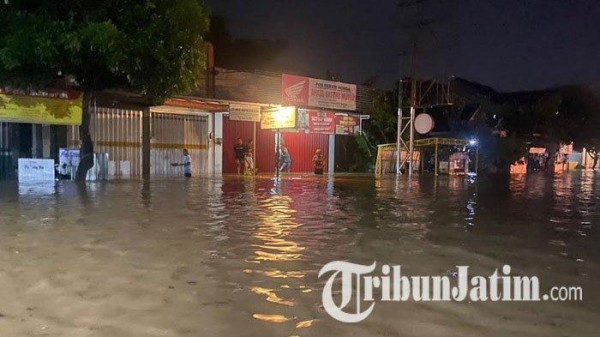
[244, 112]
[312, 92]
[278, 118]
[347, 125]
[316, 121]
[40, 107]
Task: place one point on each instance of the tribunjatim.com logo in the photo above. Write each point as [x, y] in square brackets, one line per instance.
[357, 286]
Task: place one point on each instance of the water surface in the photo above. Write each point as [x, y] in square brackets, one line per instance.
[240, 256]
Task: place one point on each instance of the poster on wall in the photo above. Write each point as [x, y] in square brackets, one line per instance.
[68, 160]
[306, 91]
[40, 107]
[244, 112]
[347, 125]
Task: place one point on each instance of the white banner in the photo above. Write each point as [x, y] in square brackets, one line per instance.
[244, 112]
[312, 92]
[36, 169]
[328, 94]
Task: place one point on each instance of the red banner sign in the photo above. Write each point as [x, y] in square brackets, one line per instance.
[316, 121]
[321, 121]
[305, 91]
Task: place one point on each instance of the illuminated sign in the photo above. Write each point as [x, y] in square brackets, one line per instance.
[278, 118]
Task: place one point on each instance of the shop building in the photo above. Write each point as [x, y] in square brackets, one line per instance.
[34, 124]
[137, 140]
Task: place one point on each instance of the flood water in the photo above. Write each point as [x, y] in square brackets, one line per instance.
[240, 256]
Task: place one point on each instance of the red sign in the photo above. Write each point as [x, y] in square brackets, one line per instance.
[321, 122]
[305, 91]
[347, 125]
[294, 90]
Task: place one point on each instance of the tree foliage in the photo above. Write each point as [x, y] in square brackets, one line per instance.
[155, 47]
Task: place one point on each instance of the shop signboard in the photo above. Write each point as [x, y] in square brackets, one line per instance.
[278, 118]
[40, 107]
[244, 112]
[347, 125]
[34, 170]
[312, 92]
[316, 121]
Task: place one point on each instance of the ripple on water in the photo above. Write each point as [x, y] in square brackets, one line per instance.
[208, 252]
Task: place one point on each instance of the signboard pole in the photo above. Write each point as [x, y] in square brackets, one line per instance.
[411, 144]
[254, 146]
[399, 141]
[277, 152]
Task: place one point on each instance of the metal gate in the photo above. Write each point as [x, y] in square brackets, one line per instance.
[117, 132]
[170, 134]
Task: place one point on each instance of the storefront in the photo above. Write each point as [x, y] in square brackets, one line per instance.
[33, 124]
[314, 129]
[178, 124]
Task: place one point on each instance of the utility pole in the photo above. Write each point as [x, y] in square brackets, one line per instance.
[409, 120]
[406, 121]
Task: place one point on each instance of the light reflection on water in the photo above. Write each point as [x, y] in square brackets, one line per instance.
[264, 241]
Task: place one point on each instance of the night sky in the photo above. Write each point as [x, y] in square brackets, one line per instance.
[507, 44]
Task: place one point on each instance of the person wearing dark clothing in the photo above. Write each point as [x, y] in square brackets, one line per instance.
[239, 150]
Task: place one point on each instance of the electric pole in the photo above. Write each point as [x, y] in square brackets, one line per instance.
[406, 121]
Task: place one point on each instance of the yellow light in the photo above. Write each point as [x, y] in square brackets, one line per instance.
[283, 117]
[285, 114]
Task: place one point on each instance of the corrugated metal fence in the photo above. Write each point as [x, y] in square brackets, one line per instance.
[302, 147]
[170, 134]
[118, 132]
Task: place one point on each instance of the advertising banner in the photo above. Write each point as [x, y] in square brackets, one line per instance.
[244, 112]
[305, 91]
[347, 125]
[316, 121]
[278, 118]
[40, 107]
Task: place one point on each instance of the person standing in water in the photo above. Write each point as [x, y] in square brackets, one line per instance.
[249, 160]
[187, 164]
[318, 162]
[286, 160]
[239, 150]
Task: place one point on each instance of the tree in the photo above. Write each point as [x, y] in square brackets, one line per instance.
[154, 47]
[383, 123]
[583, 109]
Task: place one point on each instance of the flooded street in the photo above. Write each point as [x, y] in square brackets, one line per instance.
[240, 256]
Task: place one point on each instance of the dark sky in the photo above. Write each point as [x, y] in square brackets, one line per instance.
[507, 44]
